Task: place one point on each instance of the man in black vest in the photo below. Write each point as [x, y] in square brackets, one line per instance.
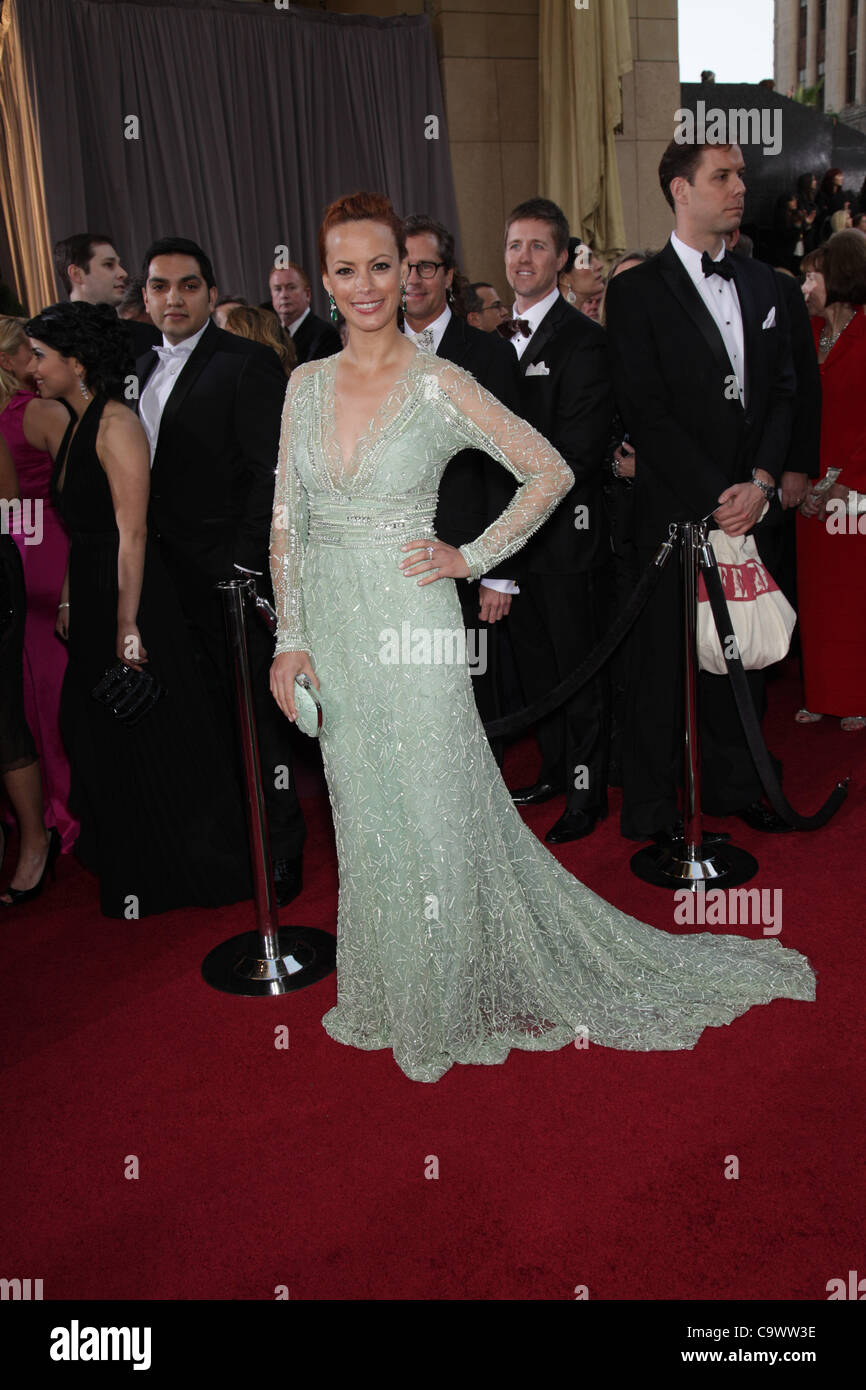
[566, 394]
[475, 489]
[211, 404]
[701, 355]
[290, 297]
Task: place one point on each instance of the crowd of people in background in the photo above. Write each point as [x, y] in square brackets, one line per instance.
[64, 408]
[807, 216]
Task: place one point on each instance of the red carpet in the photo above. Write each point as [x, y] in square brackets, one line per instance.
[305, 1167]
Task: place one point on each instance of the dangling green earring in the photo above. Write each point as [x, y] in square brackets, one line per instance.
[333, 306]
[403, 300]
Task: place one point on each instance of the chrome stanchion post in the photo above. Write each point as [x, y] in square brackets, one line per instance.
[692, 835]
[690, 861]
[273, 959]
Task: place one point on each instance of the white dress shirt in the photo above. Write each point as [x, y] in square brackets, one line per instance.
[293, 327]
[723, 302]
[533, 317]
[173, 357]
[437, 328]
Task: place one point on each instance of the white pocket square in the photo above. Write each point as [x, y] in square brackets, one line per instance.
[770, 320]
[538, 369]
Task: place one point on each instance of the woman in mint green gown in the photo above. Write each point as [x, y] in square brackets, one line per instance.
[459, 936]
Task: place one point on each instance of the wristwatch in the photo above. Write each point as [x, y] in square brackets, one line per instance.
[767, 488]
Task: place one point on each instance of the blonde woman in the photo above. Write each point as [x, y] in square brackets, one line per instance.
[263, 327]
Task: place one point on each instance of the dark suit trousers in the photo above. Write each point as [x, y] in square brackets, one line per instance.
[202, 607]
[482, 644]
[652, 762]
[554, 623]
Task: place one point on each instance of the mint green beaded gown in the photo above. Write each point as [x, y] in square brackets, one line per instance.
[459, 936]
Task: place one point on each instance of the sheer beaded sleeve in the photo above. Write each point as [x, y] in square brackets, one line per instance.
[289, 527]
[480, 421]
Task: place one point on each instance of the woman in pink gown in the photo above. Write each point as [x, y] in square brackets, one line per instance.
[31, 427]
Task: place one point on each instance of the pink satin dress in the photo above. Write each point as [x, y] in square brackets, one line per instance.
[43, 545]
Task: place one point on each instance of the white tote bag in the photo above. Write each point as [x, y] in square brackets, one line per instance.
[761, 616]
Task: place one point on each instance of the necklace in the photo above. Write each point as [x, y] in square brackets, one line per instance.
[825, 342]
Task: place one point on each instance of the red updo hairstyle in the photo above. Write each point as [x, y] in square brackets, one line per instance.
[361, 207]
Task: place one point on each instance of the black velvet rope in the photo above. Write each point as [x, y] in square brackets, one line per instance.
[530, 714]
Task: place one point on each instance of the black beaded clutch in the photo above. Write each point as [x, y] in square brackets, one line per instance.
[127, 693]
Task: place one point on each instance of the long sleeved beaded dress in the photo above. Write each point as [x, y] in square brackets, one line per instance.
[459, 936]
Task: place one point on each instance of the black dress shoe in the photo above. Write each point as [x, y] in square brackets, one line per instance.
[288, 880]
[534, 795]
[573, 826]
[760, 817]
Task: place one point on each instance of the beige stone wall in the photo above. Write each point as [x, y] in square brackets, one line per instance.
[786, 29]
[488, 56]
[651, 95]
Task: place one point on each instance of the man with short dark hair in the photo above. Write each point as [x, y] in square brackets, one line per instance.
[566, 395]
[484, 308]
[290, 297]
[211, 404]
[701, 356]
[89, 270]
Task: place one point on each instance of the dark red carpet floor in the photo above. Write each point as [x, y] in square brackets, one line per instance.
[305, 1167]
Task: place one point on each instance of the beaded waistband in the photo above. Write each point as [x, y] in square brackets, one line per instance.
[368, 521]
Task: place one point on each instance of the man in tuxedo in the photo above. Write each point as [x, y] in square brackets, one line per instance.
[700, 349]
[211, 404]
[89, 270]
[566, 394]
[290, 297]
[475, 489]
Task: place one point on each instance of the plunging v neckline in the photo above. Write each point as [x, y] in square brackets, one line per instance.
[345, 470]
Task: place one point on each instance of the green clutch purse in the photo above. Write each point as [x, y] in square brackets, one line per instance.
[308, 706]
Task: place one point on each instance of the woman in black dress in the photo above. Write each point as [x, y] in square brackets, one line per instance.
[160, 810]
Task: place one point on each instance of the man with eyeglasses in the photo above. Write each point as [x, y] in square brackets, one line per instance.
[484, 308]
[475, 489]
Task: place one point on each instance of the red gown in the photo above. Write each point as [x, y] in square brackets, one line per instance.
[831, 561]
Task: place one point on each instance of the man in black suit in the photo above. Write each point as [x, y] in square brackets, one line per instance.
[566, 394]
[89, 270]
[701, 355]
[475, 489]
[211, 404]
[290, 297]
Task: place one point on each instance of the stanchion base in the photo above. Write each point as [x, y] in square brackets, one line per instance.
[718, 866]
[236, 967]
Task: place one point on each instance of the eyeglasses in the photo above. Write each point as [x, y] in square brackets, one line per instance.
[426, 269]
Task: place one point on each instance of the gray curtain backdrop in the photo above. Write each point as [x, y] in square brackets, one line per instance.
[250, 121]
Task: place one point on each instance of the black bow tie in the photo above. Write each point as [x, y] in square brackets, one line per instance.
[509, 328]
[722, 267]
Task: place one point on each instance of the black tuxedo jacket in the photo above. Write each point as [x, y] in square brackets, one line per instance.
[212, 481]
[316, 338]
[673, 377]
[142, 336]
[567, 397]
[475, 489]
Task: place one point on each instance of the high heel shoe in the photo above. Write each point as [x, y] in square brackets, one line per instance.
[26, 895]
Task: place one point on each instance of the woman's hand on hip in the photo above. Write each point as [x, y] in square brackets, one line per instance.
[436, 560]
